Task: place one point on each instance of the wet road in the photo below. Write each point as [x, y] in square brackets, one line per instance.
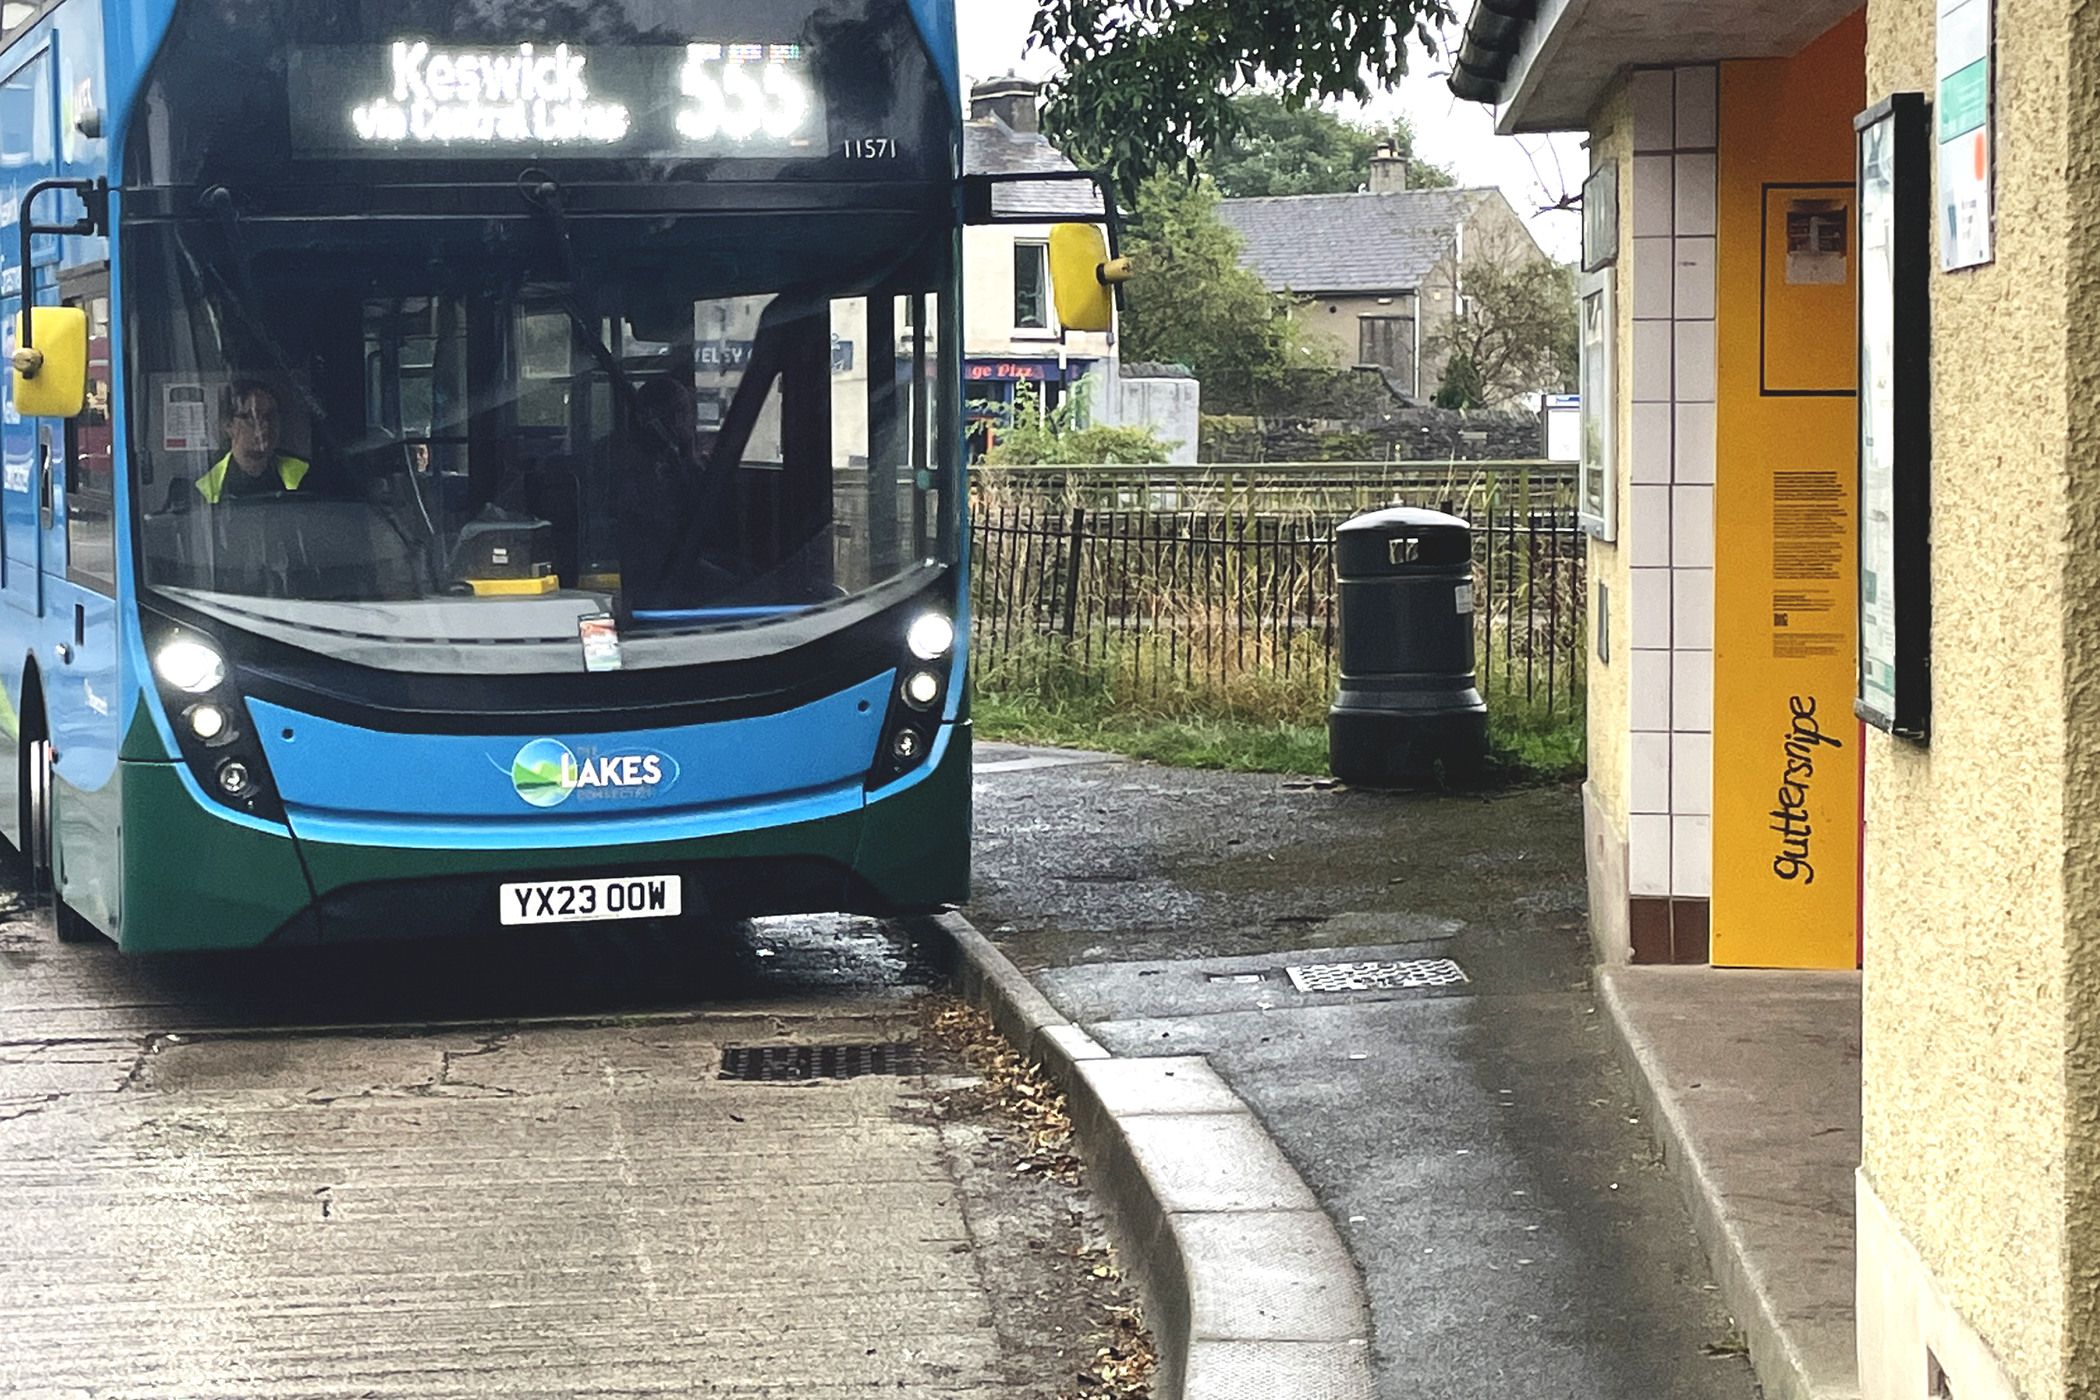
[1473, 1140]
[607, 970]
[499, 1168]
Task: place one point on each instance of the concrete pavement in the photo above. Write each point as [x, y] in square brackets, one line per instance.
[1748, 1081]
[1248, 1290]
[1755, 1101]
[578, 1163]
[559, 1211]
[1751, 1079]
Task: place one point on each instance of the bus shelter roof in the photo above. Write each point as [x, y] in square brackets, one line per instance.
[1544, 64]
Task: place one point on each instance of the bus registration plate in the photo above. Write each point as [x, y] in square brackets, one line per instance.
[578, 901]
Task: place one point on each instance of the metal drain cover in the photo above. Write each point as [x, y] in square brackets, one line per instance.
[1376, 976]
[792, 1062]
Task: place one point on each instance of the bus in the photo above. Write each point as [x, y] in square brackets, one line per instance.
[478, 467]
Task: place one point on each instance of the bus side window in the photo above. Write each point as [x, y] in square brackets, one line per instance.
[91, 542]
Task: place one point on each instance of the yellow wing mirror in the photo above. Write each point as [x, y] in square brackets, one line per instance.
[50, 362]
[1083, 277]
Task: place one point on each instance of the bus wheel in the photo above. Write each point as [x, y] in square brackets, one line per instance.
[38, 839]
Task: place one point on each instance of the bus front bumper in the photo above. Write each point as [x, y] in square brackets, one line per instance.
[194, 880]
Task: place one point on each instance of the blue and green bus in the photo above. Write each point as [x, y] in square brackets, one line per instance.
[472, 466]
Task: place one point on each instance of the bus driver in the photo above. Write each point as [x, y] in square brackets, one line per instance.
[252, 464]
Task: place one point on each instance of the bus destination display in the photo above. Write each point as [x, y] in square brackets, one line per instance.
[415, 99]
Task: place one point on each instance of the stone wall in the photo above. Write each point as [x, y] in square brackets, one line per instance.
[1421, 434]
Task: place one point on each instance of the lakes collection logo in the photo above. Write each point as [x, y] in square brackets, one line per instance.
[547, 773]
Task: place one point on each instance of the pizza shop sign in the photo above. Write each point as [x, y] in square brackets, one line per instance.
[983, 370]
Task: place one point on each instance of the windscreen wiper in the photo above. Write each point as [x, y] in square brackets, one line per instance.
[240, 293]
[544, 197]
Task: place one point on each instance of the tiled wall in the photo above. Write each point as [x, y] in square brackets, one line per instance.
[1671, 534]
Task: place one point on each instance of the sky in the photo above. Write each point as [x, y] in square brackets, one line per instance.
[1531, 171]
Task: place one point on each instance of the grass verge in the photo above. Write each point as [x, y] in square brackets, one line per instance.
[1523, 746]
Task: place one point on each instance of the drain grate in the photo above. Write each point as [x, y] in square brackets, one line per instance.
[1376, 976]
[793, 1062]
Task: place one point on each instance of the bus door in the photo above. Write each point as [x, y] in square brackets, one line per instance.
[81, 698]
[28, 446]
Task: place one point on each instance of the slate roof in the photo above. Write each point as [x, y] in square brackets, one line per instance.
[990, 147]
[1377, 243]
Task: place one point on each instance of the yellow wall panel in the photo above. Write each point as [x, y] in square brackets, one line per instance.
[1787, 750]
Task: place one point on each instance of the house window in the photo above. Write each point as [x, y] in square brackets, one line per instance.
[1032, 286]
[1389, 343]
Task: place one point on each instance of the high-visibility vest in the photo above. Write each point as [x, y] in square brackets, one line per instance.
[290, 470]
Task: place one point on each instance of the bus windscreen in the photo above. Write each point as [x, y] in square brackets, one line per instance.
[439, 418]
[440, 311]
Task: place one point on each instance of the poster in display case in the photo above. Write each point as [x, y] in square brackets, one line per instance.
[1895, 425]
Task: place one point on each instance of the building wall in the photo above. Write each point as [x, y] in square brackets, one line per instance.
[1334, 319]
[1604, 793]
[1682, 724]
[1667, 288]
[1785, 747]
[1977, 1218]
[988, 301]
[2078, 87]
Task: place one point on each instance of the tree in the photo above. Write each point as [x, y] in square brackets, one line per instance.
[1515, 334]
[1191, 301]
[1286, 150]
[1144, 85]
[1461, 386]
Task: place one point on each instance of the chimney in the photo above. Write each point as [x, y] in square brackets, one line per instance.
[1388, 170]
[1010, 99]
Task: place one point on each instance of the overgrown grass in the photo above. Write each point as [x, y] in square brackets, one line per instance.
[1535, 746]
[1238, 745]
[1193, 674]
[1250, 721]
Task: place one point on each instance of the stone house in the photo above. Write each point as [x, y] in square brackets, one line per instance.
[1378, 272]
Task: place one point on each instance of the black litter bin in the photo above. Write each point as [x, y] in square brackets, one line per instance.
[1407, 702]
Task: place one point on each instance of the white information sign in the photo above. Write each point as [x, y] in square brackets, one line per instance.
[1962, 114]
[185, 418]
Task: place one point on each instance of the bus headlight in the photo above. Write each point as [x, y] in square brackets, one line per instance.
[200, 693]
[190, 665]
[210, 724]
[921, 689]
[930, 637]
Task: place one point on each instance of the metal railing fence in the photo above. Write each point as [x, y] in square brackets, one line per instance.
[1225, 598]
[1332, 488]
